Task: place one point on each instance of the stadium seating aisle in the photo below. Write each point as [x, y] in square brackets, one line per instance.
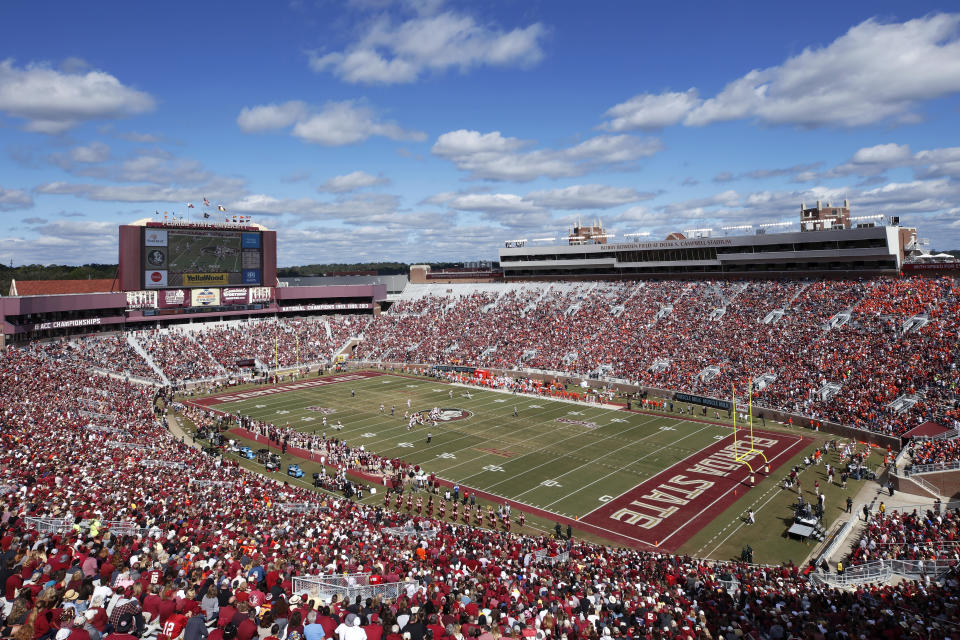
[183, 538]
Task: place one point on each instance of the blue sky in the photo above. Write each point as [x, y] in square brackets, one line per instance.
[423, 130]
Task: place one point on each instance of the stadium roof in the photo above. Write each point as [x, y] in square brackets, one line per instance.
[60, 287]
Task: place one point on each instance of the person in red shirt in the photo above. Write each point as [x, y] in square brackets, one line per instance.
[167, 606]
[247, 628]
[174, 626]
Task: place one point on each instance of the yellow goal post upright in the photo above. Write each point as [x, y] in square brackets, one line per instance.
[750, 414]
[742, 459]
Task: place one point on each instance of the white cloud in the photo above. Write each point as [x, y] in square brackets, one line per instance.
[872, 73]
[335, 124]
[216, 188]
[651, 111]
[65, 242]
[54, 101]
[388, 52]
[503, 203]
[587, 196]
[271, 116]
[887, 154]
[91, 153]
[356, 209]
[352, 182]
[491, 156]
[14, 199]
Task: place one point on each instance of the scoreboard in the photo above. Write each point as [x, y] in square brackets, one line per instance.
[186, 256]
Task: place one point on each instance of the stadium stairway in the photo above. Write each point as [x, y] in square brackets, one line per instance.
[223, 372]
[136, 346]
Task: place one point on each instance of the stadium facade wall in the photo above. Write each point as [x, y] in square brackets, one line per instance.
[947, 482]
[129, 249]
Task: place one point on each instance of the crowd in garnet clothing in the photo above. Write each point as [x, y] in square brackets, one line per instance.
[178, 355]
[918, 535]
[698, 336]
[214, 542]
[934, 451]
[707, 336]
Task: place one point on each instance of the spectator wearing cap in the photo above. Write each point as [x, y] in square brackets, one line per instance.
[83, 630]
[374, 630]
[123, 629]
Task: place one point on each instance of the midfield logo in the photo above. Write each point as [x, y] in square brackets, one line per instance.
[582, 423]
[446, 414]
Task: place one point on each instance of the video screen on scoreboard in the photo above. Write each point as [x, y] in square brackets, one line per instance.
[201, 257]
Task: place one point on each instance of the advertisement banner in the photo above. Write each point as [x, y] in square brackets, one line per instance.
[259, 294]
[250, 241]
[703, 400]
[141, 299]
[204, 279]
[172, 298]
[155, 238]
[341, 306]
[205, 297]
[233, 295]
[154, 279]
[251, 276]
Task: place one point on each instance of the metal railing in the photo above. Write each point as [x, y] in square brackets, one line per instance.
[347, 586]
[297, 507]
[542, 555]
[883, 570]
[914, 469]
[411, 532]
[839, 538]
[168, 464]
[127, 445]
[211, 483]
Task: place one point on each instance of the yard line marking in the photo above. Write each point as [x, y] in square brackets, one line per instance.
[581, 488]
[799, 439]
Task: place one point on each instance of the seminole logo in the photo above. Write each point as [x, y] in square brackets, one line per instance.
[324, 410]
[580, 423]
[445, 414]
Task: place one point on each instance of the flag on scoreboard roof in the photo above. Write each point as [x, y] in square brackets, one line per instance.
[220, 207]
[206, 202]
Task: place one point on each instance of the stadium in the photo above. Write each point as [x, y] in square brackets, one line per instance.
[700, 437]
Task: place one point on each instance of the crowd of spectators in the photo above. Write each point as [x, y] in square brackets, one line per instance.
[934, 451]
[697, 336]
[918, 535]
[156, 534]
[178, 354]
[706, 337]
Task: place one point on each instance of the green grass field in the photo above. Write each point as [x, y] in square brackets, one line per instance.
[569, 467]
[194, 254]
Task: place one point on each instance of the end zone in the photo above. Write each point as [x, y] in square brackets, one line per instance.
[296, 385]
[670, 507]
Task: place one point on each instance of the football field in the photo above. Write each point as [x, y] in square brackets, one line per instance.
[200, 253]
[650, 481]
